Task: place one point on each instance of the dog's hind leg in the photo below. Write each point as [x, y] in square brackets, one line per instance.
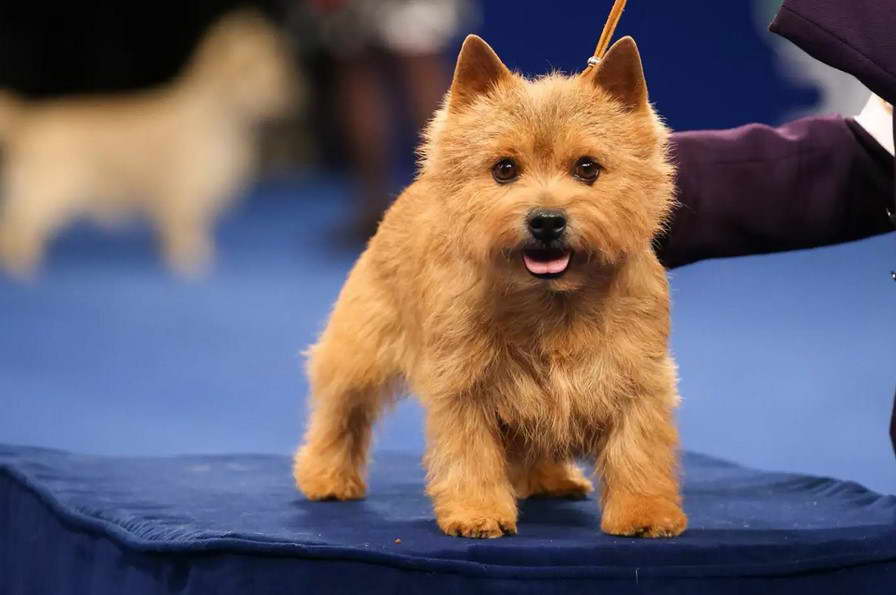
[184, 229]
[33, 208]
[352, 374]
[550, 479]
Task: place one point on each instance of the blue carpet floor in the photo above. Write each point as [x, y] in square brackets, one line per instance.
[787, 361]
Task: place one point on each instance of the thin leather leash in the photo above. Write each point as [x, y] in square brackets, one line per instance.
[607, 34]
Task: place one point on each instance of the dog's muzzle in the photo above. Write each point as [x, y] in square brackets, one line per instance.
[546, 256]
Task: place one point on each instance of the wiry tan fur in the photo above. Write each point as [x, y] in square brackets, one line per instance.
[176, 154]
[518, 375]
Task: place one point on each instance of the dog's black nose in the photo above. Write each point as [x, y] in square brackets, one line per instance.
[546, 224]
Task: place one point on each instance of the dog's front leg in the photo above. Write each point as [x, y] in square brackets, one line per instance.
[467, 463]
[638, 464]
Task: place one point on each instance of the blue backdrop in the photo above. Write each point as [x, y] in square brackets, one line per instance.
[708, 64]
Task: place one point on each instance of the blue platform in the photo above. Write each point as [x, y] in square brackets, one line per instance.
[234, 524]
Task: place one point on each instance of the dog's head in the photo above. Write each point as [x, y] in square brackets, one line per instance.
[245, 61]
[549, 180]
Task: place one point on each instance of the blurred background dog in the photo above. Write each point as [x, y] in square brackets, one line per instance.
[177, 154]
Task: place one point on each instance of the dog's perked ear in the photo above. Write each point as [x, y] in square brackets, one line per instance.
[478, 69]
[620, 74]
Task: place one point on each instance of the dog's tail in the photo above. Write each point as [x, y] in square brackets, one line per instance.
[10, 106]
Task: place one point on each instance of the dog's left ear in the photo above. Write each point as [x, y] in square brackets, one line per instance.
[478, 70]
[620, 74]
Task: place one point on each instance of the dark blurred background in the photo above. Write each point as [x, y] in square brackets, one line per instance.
[709, 65]
[48, 50]
[785, 360]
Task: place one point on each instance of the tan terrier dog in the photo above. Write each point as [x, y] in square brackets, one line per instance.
[513, 287]
[176, 154]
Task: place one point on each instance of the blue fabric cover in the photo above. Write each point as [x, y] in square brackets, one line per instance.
[83, 524]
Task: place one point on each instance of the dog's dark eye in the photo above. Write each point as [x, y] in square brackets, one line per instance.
[505, 171]
[587, 169]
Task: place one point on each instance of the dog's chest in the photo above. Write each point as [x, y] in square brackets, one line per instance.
[556, 401]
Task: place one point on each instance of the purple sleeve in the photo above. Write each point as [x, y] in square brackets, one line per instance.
[855, 36]
[758, 189]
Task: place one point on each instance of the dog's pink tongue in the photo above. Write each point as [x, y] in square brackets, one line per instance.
[544, 267]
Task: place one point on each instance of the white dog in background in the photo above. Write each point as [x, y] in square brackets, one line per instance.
[176, 154]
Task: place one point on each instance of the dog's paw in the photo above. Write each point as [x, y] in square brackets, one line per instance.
[18, 260]
[643, 516]
[332, 488]
[574, 488]
[319, 483]
[189, 255]
[477, 526]
[557, 481]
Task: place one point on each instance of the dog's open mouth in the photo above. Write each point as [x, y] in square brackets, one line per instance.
[547, 263]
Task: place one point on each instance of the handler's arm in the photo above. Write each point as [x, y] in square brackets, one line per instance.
[757, 189]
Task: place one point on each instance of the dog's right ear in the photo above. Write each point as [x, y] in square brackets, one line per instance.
[621, 74]
[478, 69]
